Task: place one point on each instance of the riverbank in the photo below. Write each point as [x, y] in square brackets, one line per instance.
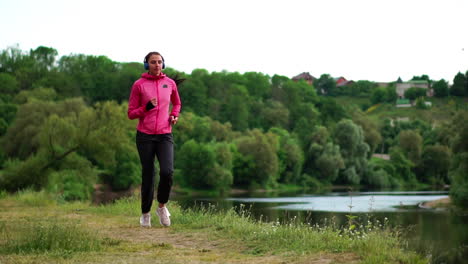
[443, 203]
[36, 228]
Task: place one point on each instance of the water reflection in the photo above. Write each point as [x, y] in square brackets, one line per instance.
[357, 203]
[441, 235]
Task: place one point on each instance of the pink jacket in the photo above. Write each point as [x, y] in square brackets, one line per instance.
[156, 120]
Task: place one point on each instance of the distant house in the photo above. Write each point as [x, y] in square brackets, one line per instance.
[341, 81]
[403, 86]
[305, 76]
[382, 84]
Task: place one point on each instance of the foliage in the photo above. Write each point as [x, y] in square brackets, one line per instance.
[435, 160]
[325, 85]
[415, 92]
[353, 149]
[206, 166]
[19, 175]
[382, 173]
[8, 84]
[370, 128]
[256, 161]
[57, 110]
[441, 88]
[458, 87]
[45, 134]
[329, 162]
[421, 103]
[290, 157]
[402, 166]
[379, 95]
[410, 142]
[423, 77]
[459, 166]
[360, 88]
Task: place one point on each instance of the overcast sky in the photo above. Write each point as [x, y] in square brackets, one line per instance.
[377, 40]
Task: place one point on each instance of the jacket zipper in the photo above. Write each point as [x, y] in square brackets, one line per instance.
[157, 107]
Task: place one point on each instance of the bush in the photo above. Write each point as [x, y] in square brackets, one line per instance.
[19, 174]
[205, 165]
[379, 178]
[73, 184]
[310, 183]
[415, 92]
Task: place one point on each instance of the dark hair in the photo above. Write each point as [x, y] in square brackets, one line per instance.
[151, 54]
[177, 79]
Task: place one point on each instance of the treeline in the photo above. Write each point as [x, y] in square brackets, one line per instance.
[64, 128]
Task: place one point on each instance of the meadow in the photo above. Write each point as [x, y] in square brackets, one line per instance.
[36, 227]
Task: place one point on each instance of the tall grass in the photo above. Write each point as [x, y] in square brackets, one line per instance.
[46, 236]
[32, 198]
[373, 242]
[128, 206]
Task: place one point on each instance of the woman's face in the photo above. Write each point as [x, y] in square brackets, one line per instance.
[155, 64]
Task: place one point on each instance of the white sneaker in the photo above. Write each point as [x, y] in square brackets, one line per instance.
[145, 220]
[164, 214]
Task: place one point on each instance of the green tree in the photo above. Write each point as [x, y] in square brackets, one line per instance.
[206, 165]
[423, 77]
[236, 107]
[95, 76]
[330, 111]
[391, 95]
[7, 115]
[350, 138]
[256, 162]
[410, 143]
[258, 85]
[43, 94]
[329, 163]
[21, 139]
[314, 144]
[64, 129]
[441, 88]
[459, 167]
[20, 64]
[273, 114]
[290, 157]
[436, 164]
[458, 86]
[8, 86]
[379, 95]
[403, 166]
[126, 74]
[361, 88]
[415, 92]
[325, 85]
[194, 94]
[370, 128]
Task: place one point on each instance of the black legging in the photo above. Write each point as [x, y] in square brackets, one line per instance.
[149, 147]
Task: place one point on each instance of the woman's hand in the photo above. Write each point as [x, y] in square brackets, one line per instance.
[173, 119]
[151, 104]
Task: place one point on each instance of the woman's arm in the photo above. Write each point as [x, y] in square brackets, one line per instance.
[135, 110]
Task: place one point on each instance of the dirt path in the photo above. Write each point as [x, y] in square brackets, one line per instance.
[134, 244]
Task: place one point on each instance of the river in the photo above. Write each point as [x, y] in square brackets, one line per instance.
[439, 233]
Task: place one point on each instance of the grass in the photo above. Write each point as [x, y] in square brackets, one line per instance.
[441, 111]
[442, 108]
[47, 236]
[82, 233]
